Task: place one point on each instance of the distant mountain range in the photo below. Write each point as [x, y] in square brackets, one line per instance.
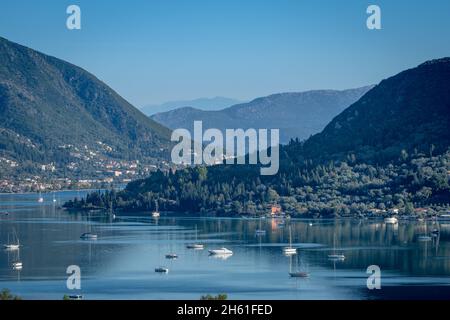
[389, 150]
[206, 104]
[297, 115]
[48, 106]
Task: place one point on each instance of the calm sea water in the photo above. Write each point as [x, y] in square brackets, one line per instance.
[121, 263]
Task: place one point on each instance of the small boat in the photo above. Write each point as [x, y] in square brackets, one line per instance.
[435, 233]
[18, 265]
[195, 246]
[89, 236]
[162, 270]
[171, 256]
[391, 220]
[299, 274]
[289, 250]
[335, 256]
[156, 214]
[15, 244]
[40, 198]
[221, 251]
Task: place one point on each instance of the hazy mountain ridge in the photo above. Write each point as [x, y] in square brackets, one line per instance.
[206, 104]
[297, 115]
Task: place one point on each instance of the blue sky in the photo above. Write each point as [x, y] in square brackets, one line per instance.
[158, 50]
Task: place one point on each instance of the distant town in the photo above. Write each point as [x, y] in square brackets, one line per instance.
[89, 167]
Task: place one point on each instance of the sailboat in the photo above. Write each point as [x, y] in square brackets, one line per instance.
[54, 197]
[15, 245]
[289, 250]
[260, 231]
[40, 199]
[89, 235]
[156, 214]
[335, 256]
[298, 273]
[195, 246]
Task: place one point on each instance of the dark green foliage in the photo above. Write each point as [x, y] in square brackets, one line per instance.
[388, 151]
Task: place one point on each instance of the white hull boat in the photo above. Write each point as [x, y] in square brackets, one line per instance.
[195, 246]
[11, 247]
[17, 265]
[89, 236]
[336, 257]
[289, 251]
[221, 251]
[391, 220]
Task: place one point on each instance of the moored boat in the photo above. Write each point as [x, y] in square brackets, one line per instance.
[221, 251]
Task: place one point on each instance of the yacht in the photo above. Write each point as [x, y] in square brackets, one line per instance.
[221, 251]
[391, 220]
[162, 270]
[289, 250]
[89, 236]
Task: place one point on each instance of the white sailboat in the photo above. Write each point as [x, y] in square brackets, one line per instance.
[335, 256]
[288, 251]
[40, 198]
[195, 246]
[156, 214]
[260, 231]
[14, 244]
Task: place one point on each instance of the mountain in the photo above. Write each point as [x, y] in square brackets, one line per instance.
[409, 111]
[387, 153]
[207, 104]
[297, 115]
[50, 108]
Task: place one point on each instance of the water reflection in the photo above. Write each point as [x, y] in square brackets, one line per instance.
[121, 262]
